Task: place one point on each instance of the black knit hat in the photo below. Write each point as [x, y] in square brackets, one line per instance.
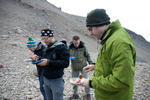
[47, 32]
[97, 17]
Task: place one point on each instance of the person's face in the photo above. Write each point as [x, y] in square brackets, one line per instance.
[96, 31]
[76, 43]
[32, 48]
[47, 40]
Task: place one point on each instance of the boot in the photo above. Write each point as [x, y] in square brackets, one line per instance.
[88, 97]
[74, 96]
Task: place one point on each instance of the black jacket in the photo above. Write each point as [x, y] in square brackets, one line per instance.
[58, 56]
[39, 51]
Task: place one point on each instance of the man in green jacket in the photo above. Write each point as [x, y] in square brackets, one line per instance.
[113, 77]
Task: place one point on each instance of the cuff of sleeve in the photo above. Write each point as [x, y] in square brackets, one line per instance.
[90, 84]
[93, 63]
[48, 61]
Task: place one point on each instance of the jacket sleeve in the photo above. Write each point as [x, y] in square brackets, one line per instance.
[62, 59]
[122, 72]
[40, 49]
[87, 55]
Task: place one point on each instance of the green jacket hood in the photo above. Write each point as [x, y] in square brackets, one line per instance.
[110, 30]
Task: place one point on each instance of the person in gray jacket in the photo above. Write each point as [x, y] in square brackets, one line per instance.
[80, 56]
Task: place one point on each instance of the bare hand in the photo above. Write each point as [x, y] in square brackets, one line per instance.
[84, 82]
[43, 63]
[34, 57]
[88, 68]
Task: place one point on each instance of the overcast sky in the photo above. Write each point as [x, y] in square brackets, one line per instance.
[133, 14]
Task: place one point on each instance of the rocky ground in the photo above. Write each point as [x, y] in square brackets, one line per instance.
[142, 82]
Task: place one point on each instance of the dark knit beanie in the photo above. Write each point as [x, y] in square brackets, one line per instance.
[97, 17]
[31, 42]
[47, 32]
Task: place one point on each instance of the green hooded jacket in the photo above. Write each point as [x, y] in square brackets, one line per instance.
[113, 77]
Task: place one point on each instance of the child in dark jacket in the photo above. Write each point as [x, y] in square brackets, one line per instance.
[38, 49]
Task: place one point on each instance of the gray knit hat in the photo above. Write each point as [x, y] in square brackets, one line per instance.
[97, 17]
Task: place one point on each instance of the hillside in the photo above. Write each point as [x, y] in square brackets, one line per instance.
[22, 18]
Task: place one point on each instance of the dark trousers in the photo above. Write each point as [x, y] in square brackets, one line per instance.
[41, 80]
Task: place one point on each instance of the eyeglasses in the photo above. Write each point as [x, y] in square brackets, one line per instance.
[89, 28]
[44, 39]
